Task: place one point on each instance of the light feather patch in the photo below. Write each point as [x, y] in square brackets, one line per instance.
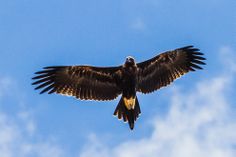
[129, 103]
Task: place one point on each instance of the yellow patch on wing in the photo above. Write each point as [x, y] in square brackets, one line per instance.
[129, 103]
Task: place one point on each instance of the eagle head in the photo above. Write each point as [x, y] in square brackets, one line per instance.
[129, 61]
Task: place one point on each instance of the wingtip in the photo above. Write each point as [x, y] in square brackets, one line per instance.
[40, 92]
[39, 72]
[187, 47]
[53, 67]
[48, 67]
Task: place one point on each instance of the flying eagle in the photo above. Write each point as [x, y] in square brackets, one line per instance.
[107, 83]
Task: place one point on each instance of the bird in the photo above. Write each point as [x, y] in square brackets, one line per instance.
[86, 82]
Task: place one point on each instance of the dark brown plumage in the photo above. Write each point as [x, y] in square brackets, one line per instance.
[107, 83]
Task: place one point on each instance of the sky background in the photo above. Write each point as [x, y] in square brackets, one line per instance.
[195, 116]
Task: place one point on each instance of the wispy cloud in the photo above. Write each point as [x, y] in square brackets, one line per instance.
[5, 84]
[18, 131]
[18, 137]
[200, 123]
[138, 24]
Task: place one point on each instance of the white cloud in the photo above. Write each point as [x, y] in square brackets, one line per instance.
[18, 138]
[18, 133]
[200, 123]
[5, 84]
[138, 24]
[228, 58]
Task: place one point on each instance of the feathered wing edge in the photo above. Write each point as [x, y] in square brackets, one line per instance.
[82, 82]
[166, 67]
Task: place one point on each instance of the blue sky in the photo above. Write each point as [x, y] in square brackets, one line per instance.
[200, 105]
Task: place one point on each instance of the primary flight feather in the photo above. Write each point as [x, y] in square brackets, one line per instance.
[107, 83]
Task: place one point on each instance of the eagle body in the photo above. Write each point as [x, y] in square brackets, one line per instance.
[128, 107]
[129, 79]
[107, 83]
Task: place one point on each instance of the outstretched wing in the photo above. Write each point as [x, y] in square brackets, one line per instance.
[83, 82]
[166, 67]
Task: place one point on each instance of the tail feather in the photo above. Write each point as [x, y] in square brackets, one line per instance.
[128, 115]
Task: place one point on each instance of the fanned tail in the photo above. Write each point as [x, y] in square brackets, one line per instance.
[129, 115]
